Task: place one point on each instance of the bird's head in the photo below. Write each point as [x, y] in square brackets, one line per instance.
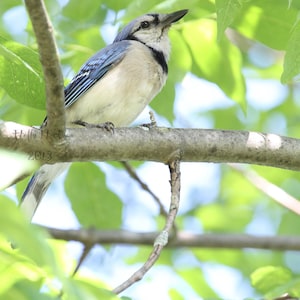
[151, 30]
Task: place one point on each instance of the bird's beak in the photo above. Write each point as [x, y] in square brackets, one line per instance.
[168, 19]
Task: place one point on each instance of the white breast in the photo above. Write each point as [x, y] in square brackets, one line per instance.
[122, 94]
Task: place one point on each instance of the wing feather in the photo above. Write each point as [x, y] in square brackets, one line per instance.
[94, 69]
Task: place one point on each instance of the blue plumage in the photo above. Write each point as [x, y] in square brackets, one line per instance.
[94, 69]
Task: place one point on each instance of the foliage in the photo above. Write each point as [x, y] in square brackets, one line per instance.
[246, 48]
[34, 268]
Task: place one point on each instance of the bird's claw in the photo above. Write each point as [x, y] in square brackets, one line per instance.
[109, 126]
[152, 123]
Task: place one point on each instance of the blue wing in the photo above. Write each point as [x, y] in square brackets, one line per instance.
[94, 69]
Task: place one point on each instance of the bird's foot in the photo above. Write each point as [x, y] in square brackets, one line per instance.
[152, 123]
[109, 126]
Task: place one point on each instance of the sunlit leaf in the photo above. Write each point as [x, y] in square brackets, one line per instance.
[226, 10]
[220, 63]
[268, 278]
[94, 289]
[21, 74]
[30, 240]
[267, 21]
[81, 10]
[14, 267]
[224, 218]
[93, 203]
[24, 290]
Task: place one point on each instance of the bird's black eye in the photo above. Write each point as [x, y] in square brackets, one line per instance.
[145, 24]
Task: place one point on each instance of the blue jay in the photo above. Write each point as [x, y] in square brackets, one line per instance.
[114, 85]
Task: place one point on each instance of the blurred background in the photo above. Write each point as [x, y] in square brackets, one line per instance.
[233, 66]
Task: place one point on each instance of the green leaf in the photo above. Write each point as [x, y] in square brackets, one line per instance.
[93, 289]
[290, 223]
[176, 295]
[12, 110]
[89, 40]
[24, 290]
[21, 74]
[291, 66]
[93, 203]
[266, 21]
[217, 217]
[220, 63]
[133, 8]
[119, 5]
[81, 10]
[30, 240]
[14, 267]
[7, 4]
[268, 278]
[226, 10]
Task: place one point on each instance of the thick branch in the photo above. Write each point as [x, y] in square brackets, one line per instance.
[182, 239]
[51, 67]
[158, 144]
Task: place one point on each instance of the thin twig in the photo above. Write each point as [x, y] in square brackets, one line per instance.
[175, 182]
[43, 30]
[162, 239]
[86, 250]
[270, 189]
[139, 274]
[144, 186]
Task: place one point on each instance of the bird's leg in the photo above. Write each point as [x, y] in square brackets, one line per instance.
[109, 126]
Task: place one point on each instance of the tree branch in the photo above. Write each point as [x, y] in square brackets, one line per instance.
[269, 189]
[162, 239]
[157, 144]
[181, 239]
[51, 67]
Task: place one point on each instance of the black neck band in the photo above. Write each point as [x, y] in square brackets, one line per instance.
[158, 55]
[160, 58]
